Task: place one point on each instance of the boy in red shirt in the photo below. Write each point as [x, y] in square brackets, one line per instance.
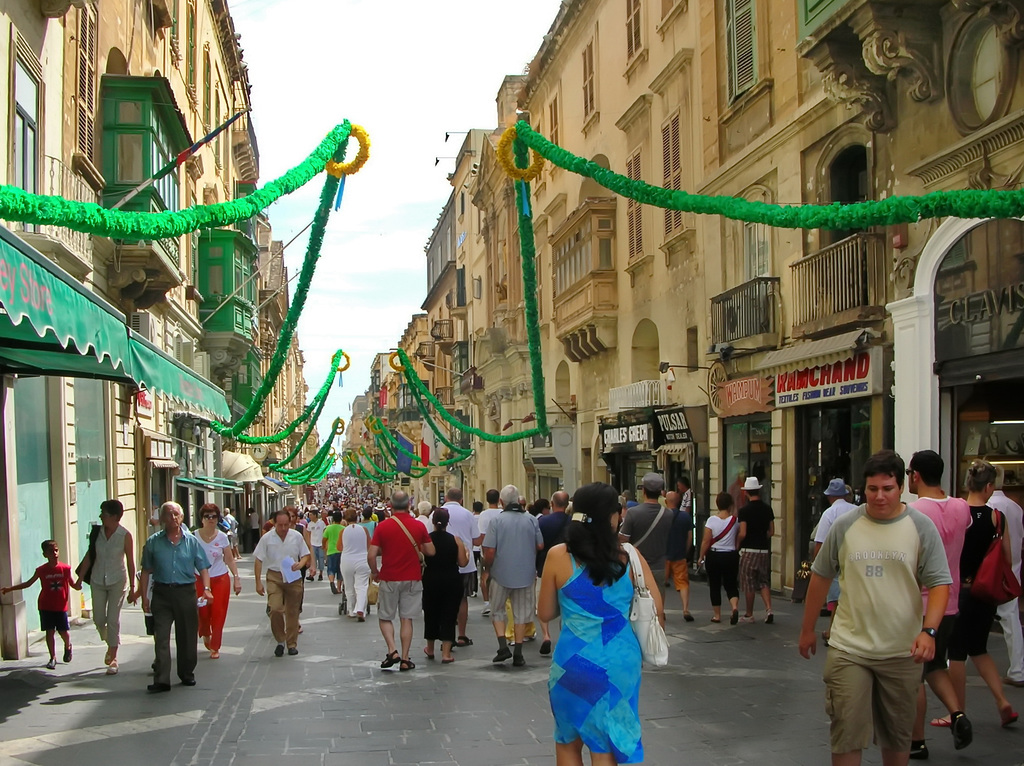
[55, 579]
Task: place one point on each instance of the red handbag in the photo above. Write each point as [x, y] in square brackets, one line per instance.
[995, 581]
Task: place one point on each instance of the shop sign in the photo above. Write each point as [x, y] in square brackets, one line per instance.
[857, 376]
[144, 402]
[671, 427]
[744, 396]
[627, 433]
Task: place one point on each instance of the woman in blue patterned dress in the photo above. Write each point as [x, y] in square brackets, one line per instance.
[594, 685]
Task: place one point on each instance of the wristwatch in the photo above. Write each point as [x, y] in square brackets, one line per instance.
[931, 632]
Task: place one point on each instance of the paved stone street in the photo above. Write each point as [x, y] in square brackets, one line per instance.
[732, 695]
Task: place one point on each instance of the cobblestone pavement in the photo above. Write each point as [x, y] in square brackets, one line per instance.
[731, 695]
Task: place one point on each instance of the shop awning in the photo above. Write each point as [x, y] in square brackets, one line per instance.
[271, 486]
[678, 448]
[238, 466]
[815, 352]
[167, 465]
[278, 482]
[152, 369]
[52, 325]
[209, 482]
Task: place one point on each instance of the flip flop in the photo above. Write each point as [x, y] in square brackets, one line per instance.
[429, 655]
[390, 660]
[944, 723]
[715, 619]
[1007, 717]
[687, 616]
[447, 660]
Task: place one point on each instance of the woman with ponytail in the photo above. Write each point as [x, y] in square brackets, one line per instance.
[588, 582]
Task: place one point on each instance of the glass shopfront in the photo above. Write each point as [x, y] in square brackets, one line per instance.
[979, 352]
[748, 452]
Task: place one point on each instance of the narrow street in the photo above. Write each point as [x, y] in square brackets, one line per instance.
[732, 695]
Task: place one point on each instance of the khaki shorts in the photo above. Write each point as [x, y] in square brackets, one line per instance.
[523, 601]
[863, 694]
[680, 573]
[401, 598]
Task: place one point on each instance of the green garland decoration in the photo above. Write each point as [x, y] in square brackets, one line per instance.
[18, 205]
[284, 340]
[310, 413]
[857, 215]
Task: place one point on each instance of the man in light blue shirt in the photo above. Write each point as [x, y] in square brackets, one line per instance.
[171, 558]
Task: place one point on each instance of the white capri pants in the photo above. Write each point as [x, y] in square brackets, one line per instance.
[355, 573]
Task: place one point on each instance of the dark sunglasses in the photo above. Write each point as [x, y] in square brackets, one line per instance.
[213, 516]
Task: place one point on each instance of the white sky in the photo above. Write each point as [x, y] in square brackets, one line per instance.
[407, 71]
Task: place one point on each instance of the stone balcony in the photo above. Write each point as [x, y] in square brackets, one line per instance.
[643, 393]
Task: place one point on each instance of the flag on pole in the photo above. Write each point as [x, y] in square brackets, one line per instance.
[428, 445]
[178, 161]
[403, 462]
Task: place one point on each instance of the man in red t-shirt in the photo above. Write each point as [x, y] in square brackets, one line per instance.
[399, 540]
[55, 580]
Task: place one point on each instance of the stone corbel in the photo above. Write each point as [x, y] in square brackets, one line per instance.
[904, 44]
[846, 80]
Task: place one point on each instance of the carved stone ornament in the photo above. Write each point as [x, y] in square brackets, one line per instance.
[846, 80]
[1007, 15]
[55, 9]
[904, 44]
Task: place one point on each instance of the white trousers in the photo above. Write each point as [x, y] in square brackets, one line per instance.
[1009, 619]
[107, 601]
[355, 573]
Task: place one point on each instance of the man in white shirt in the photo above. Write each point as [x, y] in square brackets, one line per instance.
[316, 541]
[463, 524]
[483, 521]
[283, 598]
[1009, 614]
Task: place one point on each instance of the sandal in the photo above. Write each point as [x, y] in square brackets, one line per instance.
[406, 665]
[391, 659]
[1007, 717]
[429, 655]
[945, 723]
[715, 619]
[464, 641]
[687, 616]
[447, 660]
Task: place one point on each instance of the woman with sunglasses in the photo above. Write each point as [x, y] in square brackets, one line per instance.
[218, 550]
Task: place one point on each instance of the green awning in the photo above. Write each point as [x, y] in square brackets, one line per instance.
[211, 483]
[63, 314]
[55, 326]
[154, 370]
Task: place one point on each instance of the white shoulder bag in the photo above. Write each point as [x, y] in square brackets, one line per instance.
[643, 615]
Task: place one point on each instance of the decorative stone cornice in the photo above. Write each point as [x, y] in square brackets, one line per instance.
[641, 107]
[901, 41]
[846, 80]
[976, 148]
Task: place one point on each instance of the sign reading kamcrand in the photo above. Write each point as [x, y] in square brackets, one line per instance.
[860, 375]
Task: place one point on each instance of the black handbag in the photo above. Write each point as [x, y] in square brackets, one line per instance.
[85, 568]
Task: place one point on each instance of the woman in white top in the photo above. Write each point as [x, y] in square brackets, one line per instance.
[110, 578]
[219, 551]
[354, 545]
[721, 559]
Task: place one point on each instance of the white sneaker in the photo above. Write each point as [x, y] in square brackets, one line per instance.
[487, 609]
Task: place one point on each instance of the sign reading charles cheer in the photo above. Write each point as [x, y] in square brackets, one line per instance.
[860, 375]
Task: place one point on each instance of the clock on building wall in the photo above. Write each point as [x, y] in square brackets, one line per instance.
[259, 452]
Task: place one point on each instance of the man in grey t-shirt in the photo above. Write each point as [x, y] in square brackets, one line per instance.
[647, 524]
[510, 553]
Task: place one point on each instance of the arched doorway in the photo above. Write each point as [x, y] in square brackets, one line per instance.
[645, 353]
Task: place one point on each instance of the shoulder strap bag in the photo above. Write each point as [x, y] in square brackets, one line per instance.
[650, 528]
[84, 569]
[643, 615]
[995, 582]
[419, 553]
[724, 532]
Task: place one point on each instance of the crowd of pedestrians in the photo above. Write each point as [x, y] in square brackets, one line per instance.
[895, 579]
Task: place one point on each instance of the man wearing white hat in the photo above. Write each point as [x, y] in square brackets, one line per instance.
[757, 527]
[836, 494]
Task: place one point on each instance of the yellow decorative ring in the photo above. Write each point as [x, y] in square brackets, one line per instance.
[395, 362]
[348, 362]
[375, 426]
[339, 169]
[505, 159]
[340, 427]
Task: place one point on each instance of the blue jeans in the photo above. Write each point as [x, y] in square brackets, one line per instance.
[319, 558]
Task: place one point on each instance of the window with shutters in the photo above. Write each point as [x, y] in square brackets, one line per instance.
[26, 127]
[634, 221]
[553, 119]
[85, 142]
[633, 43]
[757, 239]
[671, 170]
[741, 45]
[216, 141]
[588, 79]
[190, 47]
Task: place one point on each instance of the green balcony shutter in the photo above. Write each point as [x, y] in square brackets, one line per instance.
[741, 29]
